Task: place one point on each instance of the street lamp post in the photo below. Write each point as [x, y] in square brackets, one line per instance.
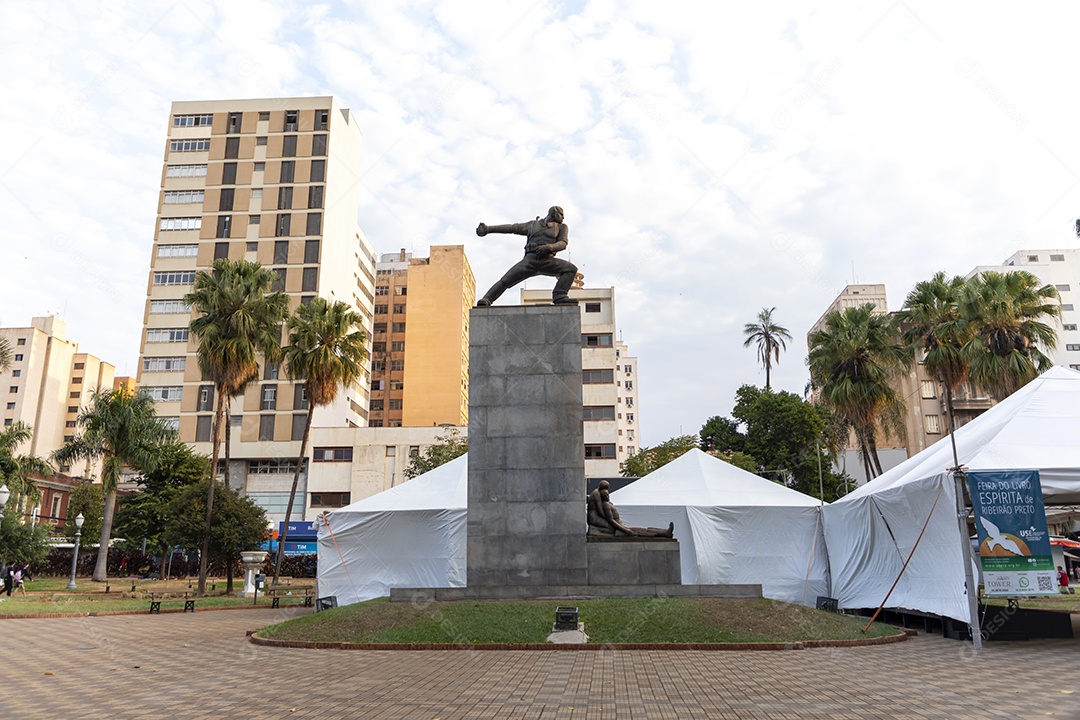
[75, 555]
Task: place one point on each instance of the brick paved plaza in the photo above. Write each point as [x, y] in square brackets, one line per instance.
[201, 666]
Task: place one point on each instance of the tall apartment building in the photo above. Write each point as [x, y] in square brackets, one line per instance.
[1060, 268]
[273, 181]
[925, 421]
[420, 348]
[46, 384]
[609, 382]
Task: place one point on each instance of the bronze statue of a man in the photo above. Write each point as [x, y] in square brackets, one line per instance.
[545, 238]
[604, 519]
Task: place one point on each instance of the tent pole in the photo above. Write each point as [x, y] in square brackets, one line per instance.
[821, 519]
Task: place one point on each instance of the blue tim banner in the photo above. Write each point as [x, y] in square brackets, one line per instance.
[1014, 543]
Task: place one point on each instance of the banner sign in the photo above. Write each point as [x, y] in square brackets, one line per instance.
[300, 530]
[1014, 542]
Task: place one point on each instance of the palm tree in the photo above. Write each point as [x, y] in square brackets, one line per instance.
[770, 339]
[15, 470]
[120, 428]
[852, 359]
[1003, 312]
[239, 320]
[5, 354]
[326, 350]
[930, 323]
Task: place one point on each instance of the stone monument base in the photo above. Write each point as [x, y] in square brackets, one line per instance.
[633, 561]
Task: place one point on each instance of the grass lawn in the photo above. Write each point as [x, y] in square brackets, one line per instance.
[50, 595]
[637, 620]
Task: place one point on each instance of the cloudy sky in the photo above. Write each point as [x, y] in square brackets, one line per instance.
[712, 159]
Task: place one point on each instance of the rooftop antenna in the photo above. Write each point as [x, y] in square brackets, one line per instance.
[853, 280]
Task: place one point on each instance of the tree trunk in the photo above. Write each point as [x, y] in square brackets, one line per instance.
[292, 494]
[873, 452]
[864, 455]
[228, 578]
[767, 376]
[204, 555]
[228, 442]
[101, 568]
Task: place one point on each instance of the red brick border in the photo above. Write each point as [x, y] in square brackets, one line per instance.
[801, 645]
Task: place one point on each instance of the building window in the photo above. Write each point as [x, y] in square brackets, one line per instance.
[314, 224]
[378, 384]
[397, 346]
[291, 118]
[299, 397]
[322, 119]
[1068, 326]
[395, 404]
[381, 290]
[278, 285]
[596, 340]
[630, 417]
[311, 251]
[318, 171]
[318, 144]
[310, 280]
[333, 500]
[1057, 258]
[169, 307]
[269, 397]
[391, 451]
[266, 428]
[933, 425]
[174, 171]
[377, 405]
[597, 377]
[174, 277]
[228, 173]
[166, 393]
[379, 347]
[288, 146]
[398, 327]
[315, 196]
[71, 408]
[380, 328]
[272, 467]
[1062, 288]
[592, 307]
[259, 167]
[282, 227]
[401, 290]
[288, 170]
[253, 220]
[188, 223]
[183, 197]
[929, 389]
[14, 390]
[11, 406]
[165, 251]
[169, 335]
[18, 357]
[192, 120]
[232, 148]
[221, 251]
[224, 226]
[1070, 346]
[164, 364]
[378, 366]
[20, 341]
[205, 400]
[600, 450]
[1075, 366]
[599, 412]
[284, 197]
[260, 140]
[189, 145]
[1066, 306]
[397, 365]
[270, 371]
[629, 402]
[393, 423]
[380, 309]
[629, 384]
[375, 423]
[18, 373]
[299, 423]
[399, 308]
[397, 385]
[225, 200]
[1033, 258]
[332, 454]
[204, 425]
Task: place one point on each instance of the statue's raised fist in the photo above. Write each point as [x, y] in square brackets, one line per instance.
[481, 229]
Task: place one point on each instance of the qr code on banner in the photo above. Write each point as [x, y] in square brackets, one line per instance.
[1046, 583]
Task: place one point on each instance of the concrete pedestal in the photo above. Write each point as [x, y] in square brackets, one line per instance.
[252, 561]
[526, 522]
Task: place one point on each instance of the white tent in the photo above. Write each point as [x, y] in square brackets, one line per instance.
[733, 526]
[412, 535]
[870, 532]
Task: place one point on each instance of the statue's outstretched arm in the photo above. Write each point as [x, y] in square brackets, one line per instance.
[513, 229]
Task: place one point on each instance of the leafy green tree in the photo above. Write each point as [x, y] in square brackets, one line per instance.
[785, 434]
[853, 360]
[739, 459]
[769, 338]
[16, 469]
[721, 434]
[86, 499]
[238, 524]
[23, 541]
[238, 319]
[1004, 314]
[326, 350]
[451, 445]
[145, 514]
[649, 459]
[5, 354]
[120, 428]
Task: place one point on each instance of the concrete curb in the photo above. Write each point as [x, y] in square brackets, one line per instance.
[128, 612]
[801, 645]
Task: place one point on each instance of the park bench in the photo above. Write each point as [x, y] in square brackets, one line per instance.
[156, 599]
[277, 593]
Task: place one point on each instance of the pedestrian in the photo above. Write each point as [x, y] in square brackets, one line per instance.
[22, 575]
[8, 574]
[1063, 580]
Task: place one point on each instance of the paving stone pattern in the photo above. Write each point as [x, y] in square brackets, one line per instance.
[201, 666]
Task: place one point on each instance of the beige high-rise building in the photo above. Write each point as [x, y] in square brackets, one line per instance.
[420, 342]
[46, 384]
[609, 382]
[925, 421]
[274, 181]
